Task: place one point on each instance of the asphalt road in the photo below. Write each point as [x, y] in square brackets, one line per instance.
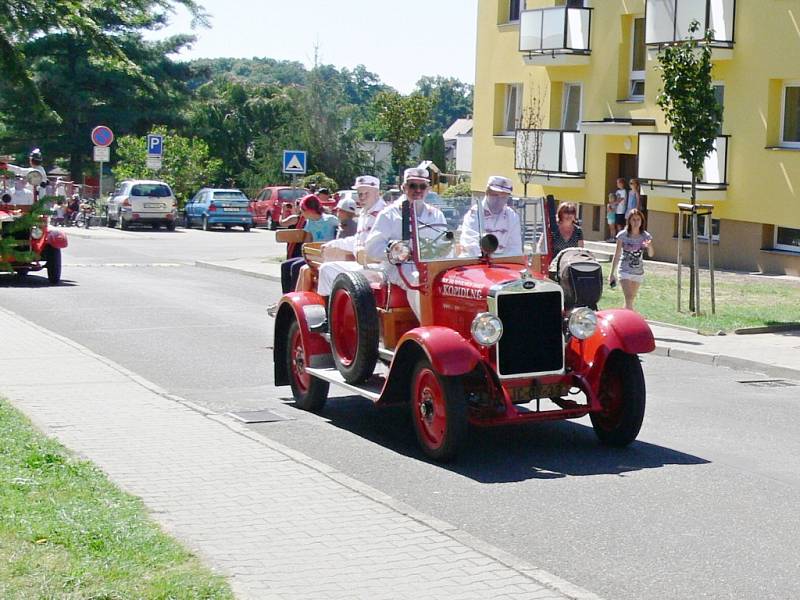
[702, 506]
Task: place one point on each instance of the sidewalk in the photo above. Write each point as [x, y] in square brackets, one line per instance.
[774, 354]
[278, 524]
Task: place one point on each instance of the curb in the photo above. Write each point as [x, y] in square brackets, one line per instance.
[730, 362]
[536, 574]
[219, 267]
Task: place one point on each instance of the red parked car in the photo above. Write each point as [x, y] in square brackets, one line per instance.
[499, 341]
[267, 205]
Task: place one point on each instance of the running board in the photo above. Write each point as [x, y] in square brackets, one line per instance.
[370, 389]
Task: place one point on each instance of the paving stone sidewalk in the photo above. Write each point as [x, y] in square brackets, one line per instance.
[278, 524]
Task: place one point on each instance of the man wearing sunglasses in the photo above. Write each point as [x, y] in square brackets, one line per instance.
[497, 218]
[389, 228]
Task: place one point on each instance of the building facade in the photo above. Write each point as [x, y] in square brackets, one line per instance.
[565, 98]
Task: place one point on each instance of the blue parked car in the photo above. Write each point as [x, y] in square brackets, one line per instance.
[227, 207]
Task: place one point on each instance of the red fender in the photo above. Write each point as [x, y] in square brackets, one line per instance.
[56, 239]
[449, 353]
[290, 309]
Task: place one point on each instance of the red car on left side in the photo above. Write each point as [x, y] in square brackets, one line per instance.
[35, 247]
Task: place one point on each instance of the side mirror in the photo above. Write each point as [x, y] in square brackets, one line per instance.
[489, 244]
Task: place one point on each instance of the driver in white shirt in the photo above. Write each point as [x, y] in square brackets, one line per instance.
[389, 228]
[498, 219]
[35, 161]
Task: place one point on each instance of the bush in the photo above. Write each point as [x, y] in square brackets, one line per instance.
[460, 189]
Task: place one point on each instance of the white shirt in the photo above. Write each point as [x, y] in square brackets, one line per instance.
[23, 172]
[22, 197]
[504, 225]
[622, 201]
[388, 227]
[366, 220]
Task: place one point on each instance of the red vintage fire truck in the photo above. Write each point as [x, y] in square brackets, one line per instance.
[498, 340]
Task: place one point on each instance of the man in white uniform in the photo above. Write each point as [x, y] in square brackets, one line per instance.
[35, 161]
[498, 219]
[389, 228]
[21, 196]
[368, 188]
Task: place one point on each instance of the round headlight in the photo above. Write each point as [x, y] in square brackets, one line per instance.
[398, 252]
[582, 323]
[36, 232]
[486, 329]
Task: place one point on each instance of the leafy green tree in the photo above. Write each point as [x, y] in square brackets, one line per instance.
[401, 119]
[186, 165]
[433, 149]
[691, 108]
[320, 180]
[459, 190]
[451, 99]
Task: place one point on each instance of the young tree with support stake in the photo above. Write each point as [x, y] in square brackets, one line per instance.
[691, 108]
[529, 140]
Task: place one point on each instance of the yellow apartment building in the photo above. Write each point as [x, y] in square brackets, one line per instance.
[592, 67]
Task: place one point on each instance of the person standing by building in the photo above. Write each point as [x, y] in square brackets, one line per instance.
[634, 197]
[632, 242]
[622, 204]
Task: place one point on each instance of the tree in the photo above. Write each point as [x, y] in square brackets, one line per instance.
[529, 139]
[320, 180]
[401, 119]
[690, 107]
[186, 165]
[459, 190]
[433, 149]
[451, 99]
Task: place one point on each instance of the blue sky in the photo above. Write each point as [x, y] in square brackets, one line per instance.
[400, 40]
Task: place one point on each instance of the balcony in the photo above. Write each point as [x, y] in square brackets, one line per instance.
[663, 173]
[667, 22]
[556, 36]
[617, 126]
[561, 160]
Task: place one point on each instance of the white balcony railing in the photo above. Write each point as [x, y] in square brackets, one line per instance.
[661, 166]
[668, 21]
[562, 154]
[555, 35]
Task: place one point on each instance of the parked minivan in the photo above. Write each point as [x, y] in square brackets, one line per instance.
[144, 202]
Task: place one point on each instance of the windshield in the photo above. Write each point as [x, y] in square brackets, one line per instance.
[153, 190]
[453, 229]
[231, 195]
[291, 194]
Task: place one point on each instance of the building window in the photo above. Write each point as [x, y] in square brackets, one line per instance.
[638, 60]
[571, 111]
[513, 108]
[570, 3]
[790, 115]
[513, 10]
[702, 224]
[719, 95]
[787, 238]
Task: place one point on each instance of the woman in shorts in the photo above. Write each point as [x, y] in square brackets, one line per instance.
[632, 242]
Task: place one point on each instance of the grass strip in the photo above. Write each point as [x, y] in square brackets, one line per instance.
[66, 532]
[740, 301]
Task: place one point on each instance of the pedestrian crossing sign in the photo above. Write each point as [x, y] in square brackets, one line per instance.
[294, 161]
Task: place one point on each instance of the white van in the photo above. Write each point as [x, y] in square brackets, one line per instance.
[142, 201]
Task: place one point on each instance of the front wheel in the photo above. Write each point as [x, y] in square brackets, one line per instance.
[309, 392]
[622, 398]
[54, 265]
[438, 411]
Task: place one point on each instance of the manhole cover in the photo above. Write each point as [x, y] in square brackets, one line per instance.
[259, 416]
[769, 383]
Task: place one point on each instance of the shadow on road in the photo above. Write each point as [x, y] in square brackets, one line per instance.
[550, 450]
[32, 280]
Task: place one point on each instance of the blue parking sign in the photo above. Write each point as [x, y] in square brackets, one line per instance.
[155, 146]
[294, 162]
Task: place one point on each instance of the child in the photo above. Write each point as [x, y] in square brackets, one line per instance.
[631, 244]
[346, 211]
[611, 216]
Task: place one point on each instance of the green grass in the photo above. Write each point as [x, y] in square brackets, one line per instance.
[67, 533]
[741, 301]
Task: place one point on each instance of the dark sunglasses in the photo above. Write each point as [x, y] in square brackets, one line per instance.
[418, 187]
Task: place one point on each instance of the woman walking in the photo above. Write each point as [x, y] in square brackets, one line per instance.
[631, 245]
[634, 197]
[567, 234]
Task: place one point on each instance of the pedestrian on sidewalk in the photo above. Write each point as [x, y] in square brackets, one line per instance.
[632, 242]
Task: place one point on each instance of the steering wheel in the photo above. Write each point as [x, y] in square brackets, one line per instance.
[439, 246]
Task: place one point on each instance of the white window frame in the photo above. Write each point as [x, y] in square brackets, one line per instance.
[784, 143]
[565, 99]
[785, 247]
[507, 107]
[636, 75]
[702, 233]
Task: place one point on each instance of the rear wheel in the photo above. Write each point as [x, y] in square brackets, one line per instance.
[354, 327]
[309, 392]
[227, 226]
[622, 397]
[438, 411]
[54, 265]
[156, 226]
[122, 223]
[246, 228]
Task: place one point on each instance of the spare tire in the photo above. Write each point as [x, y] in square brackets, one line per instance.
[353, 325]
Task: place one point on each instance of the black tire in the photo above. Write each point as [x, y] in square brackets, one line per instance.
[110, 222]
[187, 222]
[353, 325]
[87, 221]
[246, 228]
[171, 226]
[54, 265]
[270, 223]
[622, 396]
[440, 419]
[206, 225]
[155, 226]
[122, 223]
[312, 393]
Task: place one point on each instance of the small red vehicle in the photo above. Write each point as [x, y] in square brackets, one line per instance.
[41, 246]
[499, 342]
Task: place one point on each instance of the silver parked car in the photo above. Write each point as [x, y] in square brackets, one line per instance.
[143, 202]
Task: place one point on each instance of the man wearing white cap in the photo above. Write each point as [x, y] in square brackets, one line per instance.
[496, 218]
[368, 188]
[389, 228]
